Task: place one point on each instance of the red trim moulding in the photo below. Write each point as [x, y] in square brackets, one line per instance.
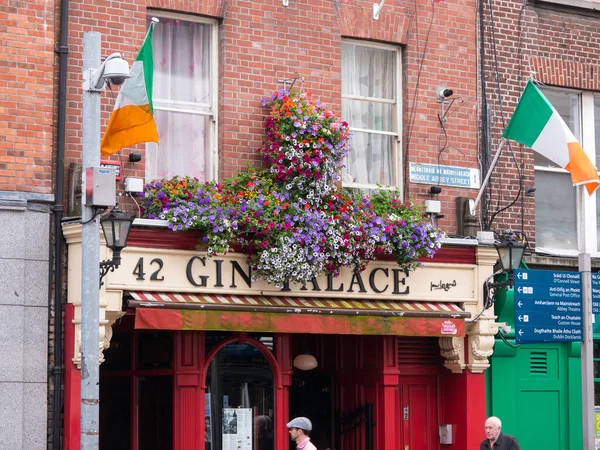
[189, 240]
[72, 401]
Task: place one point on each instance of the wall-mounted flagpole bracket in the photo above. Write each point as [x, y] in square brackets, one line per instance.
[377, 9]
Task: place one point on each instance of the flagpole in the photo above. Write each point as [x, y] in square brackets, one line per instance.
[587, 344]
[489, 173]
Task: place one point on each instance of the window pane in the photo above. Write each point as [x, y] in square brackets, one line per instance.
[184, 143]
[567, 105]
[555, 211]
[155, 350]
[371, 159]
[182, 61]
[369, 115]
[183, 100]
[368, 71]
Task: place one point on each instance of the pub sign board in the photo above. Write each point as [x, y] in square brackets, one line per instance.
[194, 272]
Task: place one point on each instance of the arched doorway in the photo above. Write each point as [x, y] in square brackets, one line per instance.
[240, 396]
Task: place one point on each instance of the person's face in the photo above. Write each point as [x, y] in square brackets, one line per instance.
[295, 433]
[491, 430]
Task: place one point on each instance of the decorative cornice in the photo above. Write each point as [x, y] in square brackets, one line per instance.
[481, 340]
[453, 351]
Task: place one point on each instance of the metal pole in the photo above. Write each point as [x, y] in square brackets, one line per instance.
[487, 176]
[587, 349]
[90, 258]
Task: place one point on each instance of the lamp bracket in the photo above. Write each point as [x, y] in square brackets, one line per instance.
[105, 267]
[109, 265]
[286, 3]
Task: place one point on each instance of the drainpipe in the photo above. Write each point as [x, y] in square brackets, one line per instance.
[484, 152]
[57, 370]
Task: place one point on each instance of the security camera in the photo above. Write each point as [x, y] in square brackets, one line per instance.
[116, 69]
[442, 92]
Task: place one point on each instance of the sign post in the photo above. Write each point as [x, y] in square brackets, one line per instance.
[548, 306]
[587, 353]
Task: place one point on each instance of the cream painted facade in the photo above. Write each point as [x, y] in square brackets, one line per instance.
[184, 271]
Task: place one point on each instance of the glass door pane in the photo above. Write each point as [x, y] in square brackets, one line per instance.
[239, 399]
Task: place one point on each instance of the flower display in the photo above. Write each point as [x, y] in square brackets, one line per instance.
[293, 219]
[305, 145]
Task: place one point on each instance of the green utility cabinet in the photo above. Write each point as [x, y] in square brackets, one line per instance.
[535, 389]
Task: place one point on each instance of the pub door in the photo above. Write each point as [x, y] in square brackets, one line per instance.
[136, 390]
[418, 402]
[311, 396]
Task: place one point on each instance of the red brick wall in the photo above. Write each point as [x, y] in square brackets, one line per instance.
[556, 48]
[261, 41]
[26, 95]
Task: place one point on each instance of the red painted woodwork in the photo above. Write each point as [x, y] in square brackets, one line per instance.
[387, 434]
[418, 412]
[463, 404]
[454, 254]
[188, 404]
[163, 238]
[153, 237]
[282, 394]
[72, 401]
[389, 371]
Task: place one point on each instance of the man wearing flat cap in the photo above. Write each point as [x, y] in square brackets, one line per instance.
[300, 429]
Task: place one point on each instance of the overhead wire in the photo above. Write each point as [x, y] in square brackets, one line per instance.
[412, 113]
[501, 106]
[520, 66]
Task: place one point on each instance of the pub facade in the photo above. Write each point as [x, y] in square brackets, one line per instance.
[192, 346]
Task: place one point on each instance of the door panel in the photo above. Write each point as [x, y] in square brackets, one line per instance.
[418, 400]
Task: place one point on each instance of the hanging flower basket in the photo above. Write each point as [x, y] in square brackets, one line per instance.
[293, 219]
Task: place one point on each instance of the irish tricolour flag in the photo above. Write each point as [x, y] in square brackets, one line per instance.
[536, 124]
[132, 121]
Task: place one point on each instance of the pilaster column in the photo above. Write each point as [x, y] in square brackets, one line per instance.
[481, 332]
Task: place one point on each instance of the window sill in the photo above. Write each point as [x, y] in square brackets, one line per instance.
[583, 4]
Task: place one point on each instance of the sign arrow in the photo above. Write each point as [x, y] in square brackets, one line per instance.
[520, 303]
[520, 332]
[519, 290]
[520, 318]
[519, 275]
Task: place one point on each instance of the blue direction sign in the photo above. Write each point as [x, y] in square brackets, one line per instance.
[548, 306]
[596, 293]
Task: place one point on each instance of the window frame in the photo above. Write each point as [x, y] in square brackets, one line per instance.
[397, 142]
[213, 148]
[585, 207]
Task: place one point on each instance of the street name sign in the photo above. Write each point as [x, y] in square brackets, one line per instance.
[548, 306]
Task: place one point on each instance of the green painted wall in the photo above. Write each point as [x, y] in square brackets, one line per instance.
[535, 389]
